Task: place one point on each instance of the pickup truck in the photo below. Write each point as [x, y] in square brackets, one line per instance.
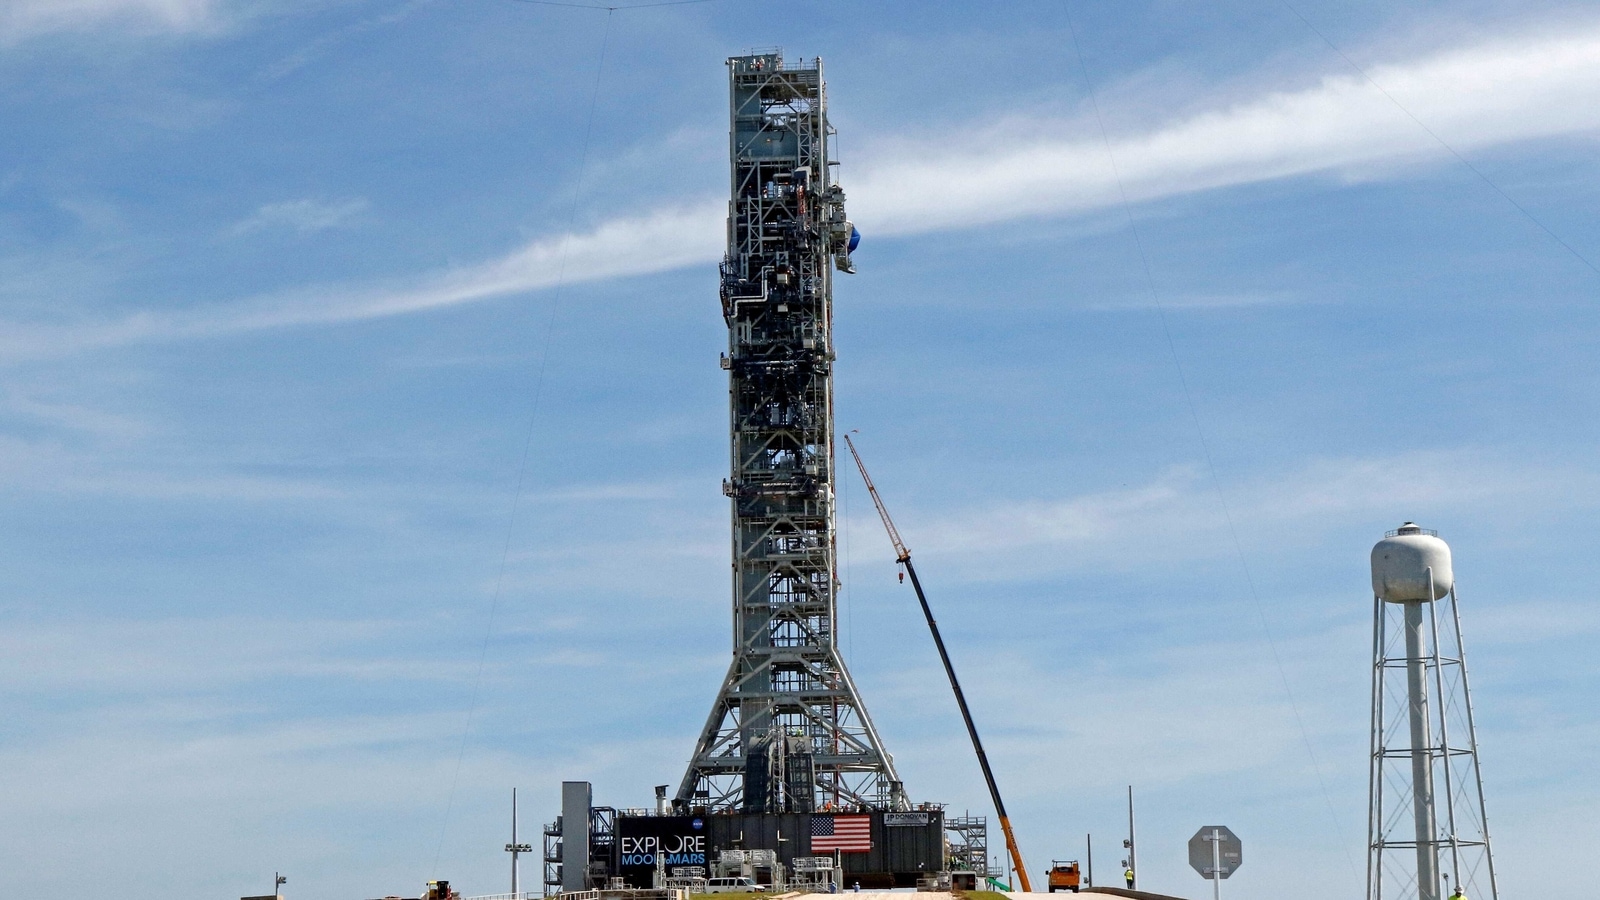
[1064, 875]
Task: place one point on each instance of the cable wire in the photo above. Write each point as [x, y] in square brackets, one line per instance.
[1441, 141]
[1205, 446]
[612, 9]
[527, 443]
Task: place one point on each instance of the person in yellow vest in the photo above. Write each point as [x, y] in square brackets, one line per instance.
[1458, 895]
[1129, 875]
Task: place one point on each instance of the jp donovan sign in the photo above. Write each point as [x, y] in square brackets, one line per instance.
[670, 841]
[891, 819]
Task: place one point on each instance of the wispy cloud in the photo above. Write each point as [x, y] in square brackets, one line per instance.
[303, 216]
[53, 466]
[26, 18]
[1181, 514]
[654, 242]
[1473, 97]
[1476, 97]
[137, 657]
[323, 44]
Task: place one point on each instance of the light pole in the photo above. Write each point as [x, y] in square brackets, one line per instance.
[515, 849]
[277, 882]
[1133, 861]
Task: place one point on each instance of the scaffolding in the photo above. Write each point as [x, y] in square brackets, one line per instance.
[968, 838]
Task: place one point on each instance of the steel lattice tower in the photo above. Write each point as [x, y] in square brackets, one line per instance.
[788, 730]
[1427, 826]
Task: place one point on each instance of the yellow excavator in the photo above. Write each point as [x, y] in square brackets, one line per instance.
[903, 557]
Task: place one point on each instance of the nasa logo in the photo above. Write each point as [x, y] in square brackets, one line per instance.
[698, 823]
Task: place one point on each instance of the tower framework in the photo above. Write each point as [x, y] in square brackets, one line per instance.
[1427, 827]
[788, 731]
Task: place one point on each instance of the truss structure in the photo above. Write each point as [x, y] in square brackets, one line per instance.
[1427, 829]
[788, 731]
[968, 839]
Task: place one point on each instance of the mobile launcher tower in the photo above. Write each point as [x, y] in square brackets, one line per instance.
[789, 773]
[788, 732]
[1424, 742]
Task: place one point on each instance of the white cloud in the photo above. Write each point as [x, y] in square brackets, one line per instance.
[655, 242]
[1180, 514]
[1472, 97]
[26, 18]
[53, 465]
[1475, 97]
[304, 216]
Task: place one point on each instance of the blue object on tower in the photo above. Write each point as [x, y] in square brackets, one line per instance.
[855, 239]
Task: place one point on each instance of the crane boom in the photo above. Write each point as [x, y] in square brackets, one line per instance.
[903, 557]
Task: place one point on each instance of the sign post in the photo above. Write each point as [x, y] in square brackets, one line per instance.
[1215, 852]
[1216, 865]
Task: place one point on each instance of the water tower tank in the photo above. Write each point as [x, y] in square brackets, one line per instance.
[1400, 564]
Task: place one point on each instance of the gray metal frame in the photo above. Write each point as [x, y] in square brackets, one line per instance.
[788, 731]
[1411, 752]
[968, 837]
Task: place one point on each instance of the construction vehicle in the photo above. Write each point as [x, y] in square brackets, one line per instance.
[903, 557]
[440, 890]
[1064, 875]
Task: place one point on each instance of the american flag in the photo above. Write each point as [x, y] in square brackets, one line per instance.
[847, 834]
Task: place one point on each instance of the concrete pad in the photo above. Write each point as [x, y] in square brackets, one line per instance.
[848, 894]
[1098, 891]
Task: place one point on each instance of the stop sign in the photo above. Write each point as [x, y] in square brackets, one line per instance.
[1231, 856]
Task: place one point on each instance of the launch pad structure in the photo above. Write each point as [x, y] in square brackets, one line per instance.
[789, 777]
[788, 731]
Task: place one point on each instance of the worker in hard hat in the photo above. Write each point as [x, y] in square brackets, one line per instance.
[1458, 895]
[1129, 875]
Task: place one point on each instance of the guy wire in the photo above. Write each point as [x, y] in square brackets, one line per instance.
[1205, 447]
[1441, 141]
[527, 443]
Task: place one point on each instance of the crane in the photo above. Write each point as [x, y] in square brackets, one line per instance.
[903, 557]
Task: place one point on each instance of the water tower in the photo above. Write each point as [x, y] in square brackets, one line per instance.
[1427, 831]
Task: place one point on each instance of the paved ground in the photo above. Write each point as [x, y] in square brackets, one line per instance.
[925, 895]
[885, 895]
[1095, 892]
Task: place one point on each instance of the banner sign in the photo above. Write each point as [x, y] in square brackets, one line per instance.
[892, 819]
[671, 841]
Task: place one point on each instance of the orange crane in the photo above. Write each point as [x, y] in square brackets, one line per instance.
[903, 557]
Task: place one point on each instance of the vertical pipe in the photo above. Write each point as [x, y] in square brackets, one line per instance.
[1444, 733]
[1472, 742]
[1421, 755]
[1088, 844]
[515, 887]
[1216, 864]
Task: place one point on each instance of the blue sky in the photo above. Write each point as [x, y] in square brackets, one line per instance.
[286, 288]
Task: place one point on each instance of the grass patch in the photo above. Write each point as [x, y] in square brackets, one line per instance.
[984, 895]
[731, 895]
